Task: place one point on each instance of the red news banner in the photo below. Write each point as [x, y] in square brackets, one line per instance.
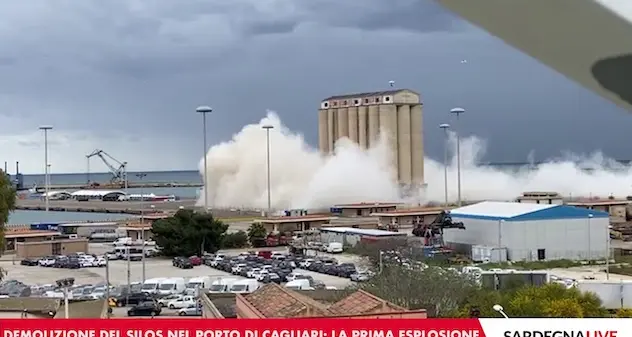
[241, 328]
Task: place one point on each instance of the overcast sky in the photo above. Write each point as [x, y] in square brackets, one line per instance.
[126, 76]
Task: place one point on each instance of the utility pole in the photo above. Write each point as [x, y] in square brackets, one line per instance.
[142, 216]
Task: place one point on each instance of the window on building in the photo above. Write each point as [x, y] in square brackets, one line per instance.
[335, 103]
[356, 102]
[366, 100]
[387, 99]
[344, 103]
[377, 100]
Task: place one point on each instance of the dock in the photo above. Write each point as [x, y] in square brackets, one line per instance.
[58, 187]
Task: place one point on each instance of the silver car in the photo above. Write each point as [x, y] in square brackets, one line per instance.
[191, 311]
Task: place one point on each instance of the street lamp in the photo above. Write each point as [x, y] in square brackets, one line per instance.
[590, 216]
[608, 252]
[267, 128]
[458, 112]
[65, 284]
[205, 110]
[445, 128]
[498, 308]
[45, 128]
[140, 177]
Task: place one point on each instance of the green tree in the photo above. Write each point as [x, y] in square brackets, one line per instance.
[624, 313]
[437, 290]
[257, 234]
[189, 233]
[7, 204]
[235, 240]
[553, 300]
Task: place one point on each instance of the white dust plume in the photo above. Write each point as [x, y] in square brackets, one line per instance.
[302, 178]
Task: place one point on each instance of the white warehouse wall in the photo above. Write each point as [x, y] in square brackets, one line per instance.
[575, 239]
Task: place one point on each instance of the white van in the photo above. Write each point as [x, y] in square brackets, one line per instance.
[300, 284]
[244, 286]
[222, 285]
[172, 286]
[197, 284]
[334, 247]
[151, 285]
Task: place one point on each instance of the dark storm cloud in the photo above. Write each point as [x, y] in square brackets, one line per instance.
[133, 70]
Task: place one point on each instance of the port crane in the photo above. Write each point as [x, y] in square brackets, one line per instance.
[118, 169]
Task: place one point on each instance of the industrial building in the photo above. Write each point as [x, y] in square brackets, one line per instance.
[541, 198]
[363, 209]
[616, 208]
[362, 117]
[295, 223]
[532, 231]
[350, 236]
[407, 218]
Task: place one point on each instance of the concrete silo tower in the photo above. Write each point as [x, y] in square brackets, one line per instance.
[362, 117]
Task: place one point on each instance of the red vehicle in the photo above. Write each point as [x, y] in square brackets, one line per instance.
[266, 254]
[195, 260]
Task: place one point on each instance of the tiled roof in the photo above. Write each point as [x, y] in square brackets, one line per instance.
[367, 94]
[273, 300]
[276, 301]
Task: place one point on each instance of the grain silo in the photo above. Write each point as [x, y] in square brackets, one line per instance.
[396, 114]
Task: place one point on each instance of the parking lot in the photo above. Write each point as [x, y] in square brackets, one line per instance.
[154, 267]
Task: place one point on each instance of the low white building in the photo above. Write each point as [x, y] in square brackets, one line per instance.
[533, 231]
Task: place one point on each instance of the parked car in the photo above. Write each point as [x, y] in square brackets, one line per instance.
[30, 262]
[182, 262]
[195, 260]
[361, 276]
[147, 308]
[164, 301]
[48, 261]
[133, 298]
[184, 302]
[191, 311]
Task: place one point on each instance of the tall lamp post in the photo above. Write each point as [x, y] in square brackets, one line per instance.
[590, 216]
[45, 128]
[268, 128]
[445, 128]
[458, 112]
[140, 177]
[205, 110]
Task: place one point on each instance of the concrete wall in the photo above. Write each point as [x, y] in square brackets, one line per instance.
[417, 144]
[363, 127]
[331, 129]
[45, 248]
[342, 123]
[352, 124]
[374, 124]
[323, 129]
[574, 239]
[404, 150]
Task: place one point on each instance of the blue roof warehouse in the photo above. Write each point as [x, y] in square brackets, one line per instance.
[533, 232]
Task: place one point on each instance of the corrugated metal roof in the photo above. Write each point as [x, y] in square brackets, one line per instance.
[493, 210]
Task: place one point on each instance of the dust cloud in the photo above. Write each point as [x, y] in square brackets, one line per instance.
[302, 178]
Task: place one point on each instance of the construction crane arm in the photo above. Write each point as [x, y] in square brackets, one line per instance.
[117, 173]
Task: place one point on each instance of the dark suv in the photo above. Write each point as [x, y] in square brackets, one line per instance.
[132, 298]
[182, 262]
